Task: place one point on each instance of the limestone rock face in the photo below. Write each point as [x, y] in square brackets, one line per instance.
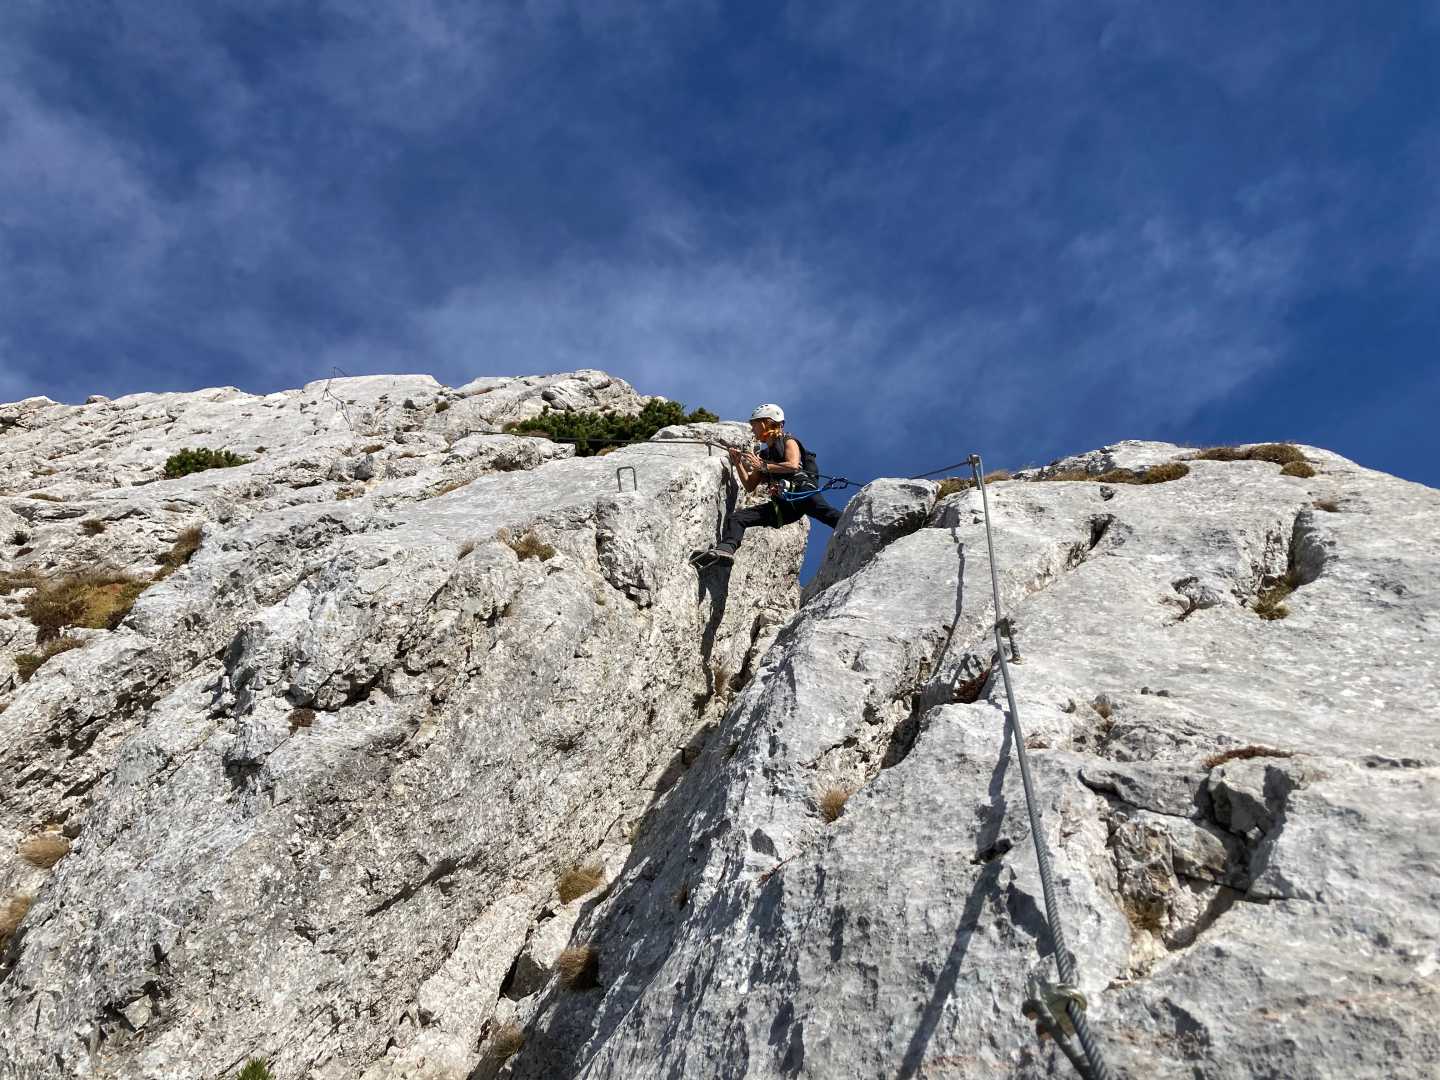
[470, 776]
[1240, 810]
[879, 514]
[320, 783]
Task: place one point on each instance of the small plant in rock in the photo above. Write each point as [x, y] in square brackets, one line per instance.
[579, 880]
[968, 691]
[1270, 604]
[507, 1040]
[21, 579]
[180, 553]
[256, 1069]
[192, 461]
[1159, 474]
[681, 896]
[12, 915]
[579, 967]
[93, 527]
[1243, 753]
[1330, 506]
[442, 406]
[951, 484]
[98, 600]
[466, 548]
[1302, 469]
[26, 664]
[373, 448]
[1275, 453]
[44, 850]
[527, 545]
[1102, 707]
[45, 496]
[301, 718]
[446, 488]
[19, 538]
[1155, 474]
[832, 801]
[592, 431]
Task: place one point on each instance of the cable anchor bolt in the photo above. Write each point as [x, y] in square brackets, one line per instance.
[1047, 1005]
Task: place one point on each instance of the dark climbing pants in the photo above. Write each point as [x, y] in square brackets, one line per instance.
[774, 514]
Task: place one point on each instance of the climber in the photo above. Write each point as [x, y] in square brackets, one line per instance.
[787, 469]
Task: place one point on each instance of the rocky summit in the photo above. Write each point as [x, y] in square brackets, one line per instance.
[402, 747]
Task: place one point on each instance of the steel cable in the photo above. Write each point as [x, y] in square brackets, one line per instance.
[1064, 961]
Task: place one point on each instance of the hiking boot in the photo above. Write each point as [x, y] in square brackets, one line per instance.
[712, 557]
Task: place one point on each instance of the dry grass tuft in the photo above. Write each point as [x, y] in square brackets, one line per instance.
[1275, 453]
[1242, 753]
[1162, 474]
[442, 406]
[832, 801]
[1302, 469]
[466, 548]
[45, 497]
[19, 579]
[11, 916]
[969, 690]
[950, 485]
[301, 718]
[681, 896]
[1270, 604]
[579, 967]
[445, 489]
[180, 553]
[26, 664]
[579, 880]
[1155, 474]
[96, 599]
[527, 545]
[93, 527]
[44, 850]
[373, 448]
[1221, 453]
[507, 1040]
[1103, 708]
[1330, 506]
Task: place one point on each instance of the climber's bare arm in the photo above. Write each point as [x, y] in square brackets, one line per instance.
[753, 471]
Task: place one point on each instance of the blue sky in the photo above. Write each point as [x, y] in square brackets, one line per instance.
[1027, 229]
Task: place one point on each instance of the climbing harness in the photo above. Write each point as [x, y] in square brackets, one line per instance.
[1056, 1008]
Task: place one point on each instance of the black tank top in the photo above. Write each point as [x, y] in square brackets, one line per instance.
[808, 478]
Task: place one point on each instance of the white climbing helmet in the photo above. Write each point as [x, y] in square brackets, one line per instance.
[768, 412]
